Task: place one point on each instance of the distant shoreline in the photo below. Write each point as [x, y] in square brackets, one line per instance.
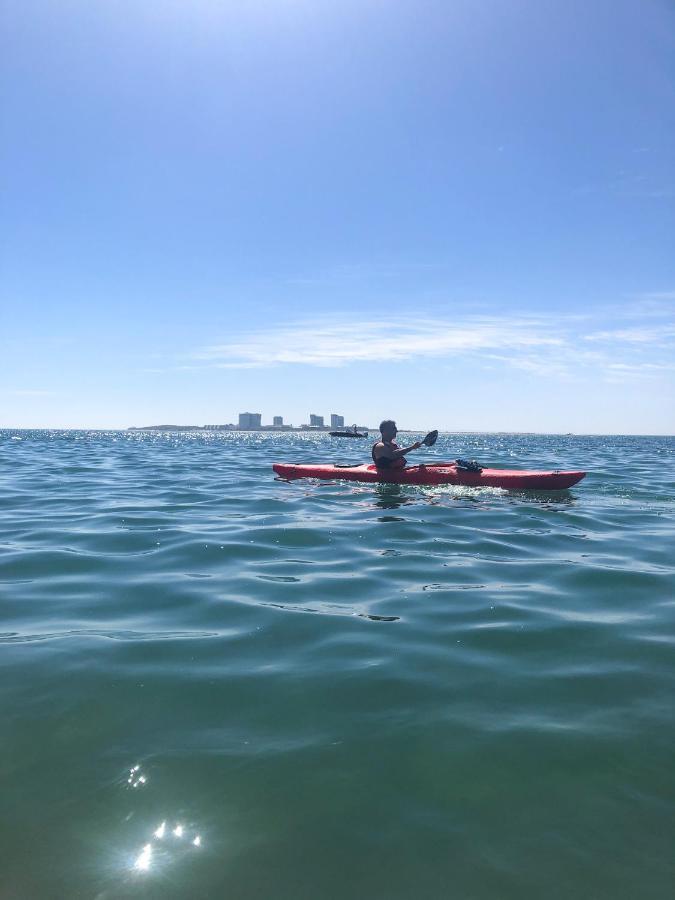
[287, 429]
[274, 429]
[201, 429]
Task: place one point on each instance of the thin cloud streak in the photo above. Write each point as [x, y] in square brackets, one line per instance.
[334, 345]
[655, 335]
[546, 346]
[31, 393]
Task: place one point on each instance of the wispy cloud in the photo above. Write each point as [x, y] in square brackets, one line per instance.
[326, 343]
[637, 335]
[547, 345]
[659, 295]
[637, 185]
[30, 393]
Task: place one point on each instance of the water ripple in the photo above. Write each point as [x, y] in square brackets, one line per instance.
[474, 685]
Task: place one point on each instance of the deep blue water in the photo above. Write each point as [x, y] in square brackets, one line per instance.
[334, 690]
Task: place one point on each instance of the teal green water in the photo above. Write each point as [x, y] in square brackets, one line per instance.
[334, 690]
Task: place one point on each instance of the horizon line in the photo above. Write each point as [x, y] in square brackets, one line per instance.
[125, 430]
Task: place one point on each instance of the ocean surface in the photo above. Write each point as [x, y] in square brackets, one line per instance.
[217, 684]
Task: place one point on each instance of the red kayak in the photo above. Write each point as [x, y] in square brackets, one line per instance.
[437, 473]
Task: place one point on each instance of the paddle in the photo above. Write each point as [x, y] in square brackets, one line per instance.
[428, 441]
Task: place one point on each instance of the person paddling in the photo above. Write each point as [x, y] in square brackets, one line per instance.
[386, 453]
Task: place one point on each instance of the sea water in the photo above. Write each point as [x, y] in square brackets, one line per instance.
[214, 683]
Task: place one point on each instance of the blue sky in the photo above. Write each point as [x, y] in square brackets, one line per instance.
[457, 214]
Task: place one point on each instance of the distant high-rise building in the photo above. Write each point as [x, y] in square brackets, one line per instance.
[337, 421]
[316, 421]
[278, 420]
[249, 421]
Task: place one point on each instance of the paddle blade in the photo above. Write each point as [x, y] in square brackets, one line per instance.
[431, 438]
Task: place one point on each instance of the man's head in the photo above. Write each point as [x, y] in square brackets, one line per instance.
[388, 430]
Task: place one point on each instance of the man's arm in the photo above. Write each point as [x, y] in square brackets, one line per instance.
[397, 454]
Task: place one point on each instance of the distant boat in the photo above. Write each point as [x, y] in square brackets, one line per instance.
[352, 434]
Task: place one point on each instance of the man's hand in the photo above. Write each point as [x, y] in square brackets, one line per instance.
[417, 445]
